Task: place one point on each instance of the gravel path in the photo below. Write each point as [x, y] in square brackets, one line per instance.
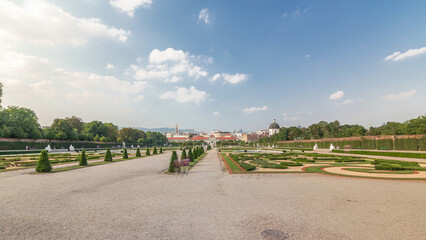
[135, 200]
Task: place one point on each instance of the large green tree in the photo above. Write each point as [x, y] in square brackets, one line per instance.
[19, 122]
[1, 93]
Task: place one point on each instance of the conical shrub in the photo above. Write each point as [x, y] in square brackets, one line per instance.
[108, 156]
[155, 150]
[43, 164]
[183, 156]
[173, 158]
[190, 156]
[138, 153]
[125, 155]
[147, 152]
[161, 150]
[83, 159]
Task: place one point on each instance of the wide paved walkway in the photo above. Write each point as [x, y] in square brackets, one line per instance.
[135, 200]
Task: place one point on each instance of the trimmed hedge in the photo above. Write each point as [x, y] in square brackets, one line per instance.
[387, 154]
[416, 144]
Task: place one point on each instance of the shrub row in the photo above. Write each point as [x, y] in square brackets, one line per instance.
[384, 144]
[387, 154]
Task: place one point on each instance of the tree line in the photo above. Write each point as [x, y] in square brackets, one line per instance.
[334, 129]
[20, 122]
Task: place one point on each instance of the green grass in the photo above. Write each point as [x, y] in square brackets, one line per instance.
[367, 170]
[232, 165]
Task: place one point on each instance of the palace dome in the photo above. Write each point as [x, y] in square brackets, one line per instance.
[274, 125]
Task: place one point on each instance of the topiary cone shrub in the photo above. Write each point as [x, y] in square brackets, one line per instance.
[173, 158]
[108, 157]
[155, 151]
[190, 156]
[43, 164]
[138, 153]
[183, 156]
[161, 149]
[147, 152]
[83, 159]
[125, 155]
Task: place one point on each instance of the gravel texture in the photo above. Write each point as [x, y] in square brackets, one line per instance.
[135, 200]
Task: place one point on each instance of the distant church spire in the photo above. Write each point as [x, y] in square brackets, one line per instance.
[176, 130]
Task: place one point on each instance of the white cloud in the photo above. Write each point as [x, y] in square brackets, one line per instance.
[109, 66]
[286, 117]
[337, 95]
[398, 56]
[216, 113]
[255, 109]
[215, 77]
[204, 16]
[168, 65]
[348, 101]
[400, 96]
[285, 15]
[41, 23]
[186, 95]
[39, 79]
[129, 6]
[170, 54]
[307, 56]
[174, 79]
[230, 78]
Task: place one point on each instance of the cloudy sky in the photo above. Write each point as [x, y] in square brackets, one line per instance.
[215, 64]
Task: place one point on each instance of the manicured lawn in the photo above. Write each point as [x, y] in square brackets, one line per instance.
[234, 167]
[367, 170]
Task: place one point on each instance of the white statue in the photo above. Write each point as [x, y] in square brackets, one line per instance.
[316, 147]
[124, 145]
[131, 146]
[331, 147]
[138, 146]
[72, 149]
[48, 148]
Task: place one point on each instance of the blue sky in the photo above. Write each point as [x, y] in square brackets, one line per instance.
[215, 64]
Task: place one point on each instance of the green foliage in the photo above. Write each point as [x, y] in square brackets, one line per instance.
[155, 150]
[161, 149]
[183, 156]
[108, 157]
[125, 155]
[147, 152]
[43, 164]
[246, 166]
[19, 122]
[209, 147]
[173, 158]
[83, 159]
[138, 152]
[390, 154]
[190, 156]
